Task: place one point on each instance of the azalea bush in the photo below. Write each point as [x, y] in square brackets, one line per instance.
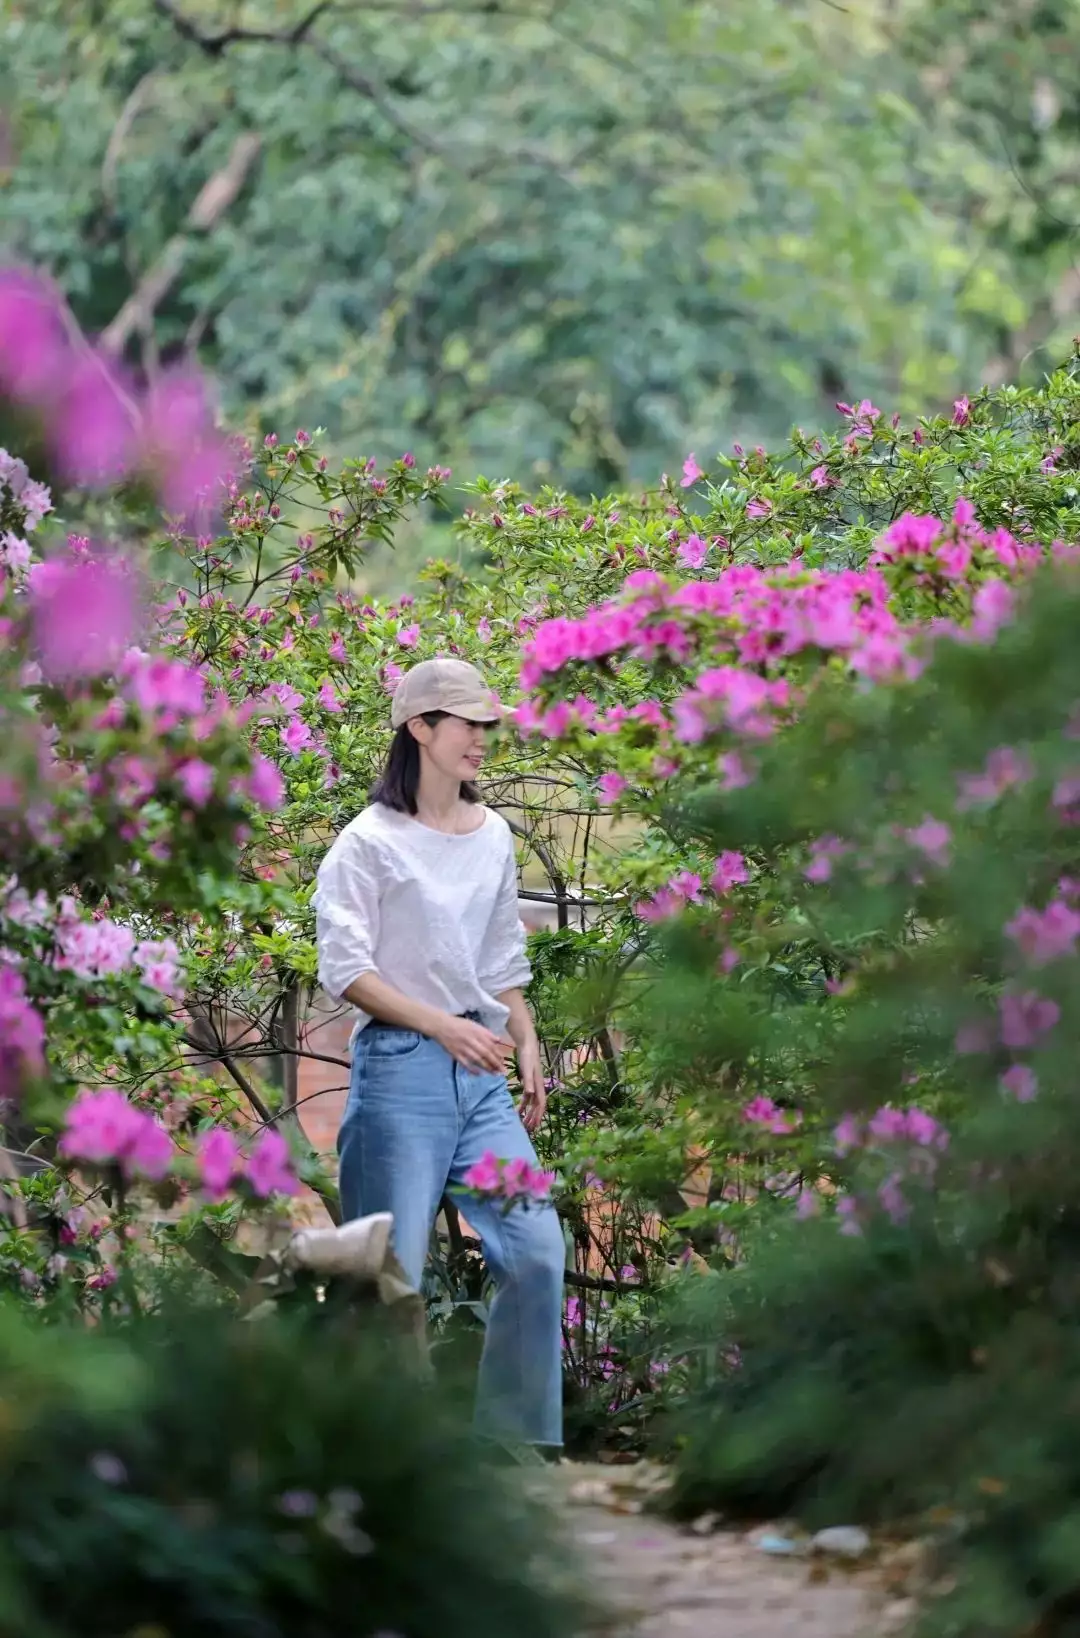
[126, 785]
[925, 1278]
[339, 1474]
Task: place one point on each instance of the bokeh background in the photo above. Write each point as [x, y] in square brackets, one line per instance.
[566, 239]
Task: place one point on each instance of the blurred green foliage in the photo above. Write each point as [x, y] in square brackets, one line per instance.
[199, 1474]
[572, 237]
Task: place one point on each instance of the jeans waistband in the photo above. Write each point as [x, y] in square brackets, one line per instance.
[380, 1023]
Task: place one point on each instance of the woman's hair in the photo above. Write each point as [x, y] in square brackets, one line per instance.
[397, 785]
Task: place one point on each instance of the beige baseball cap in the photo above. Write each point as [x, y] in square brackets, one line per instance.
[444, 684]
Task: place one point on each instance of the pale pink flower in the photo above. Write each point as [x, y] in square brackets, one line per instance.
[328, 699]
[759, 507]
[408, 636]
[931, 838]
[1045, 935]
[961, 412]
[1021, 1082]
[1026, 1018]
[973, 1038]
[691, 472]
[848, 1135]
[337, 650]
[887, 1125]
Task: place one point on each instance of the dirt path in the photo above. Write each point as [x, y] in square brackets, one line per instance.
[663, 1582]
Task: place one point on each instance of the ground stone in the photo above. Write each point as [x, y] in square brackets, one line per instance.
[660, 1581]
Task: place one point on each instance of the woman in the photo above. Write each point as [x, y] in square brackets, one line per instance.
[418, 928]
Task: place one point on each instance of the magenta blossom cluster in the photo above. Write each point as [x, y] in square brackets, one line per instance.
[508, 1180]
[100, 427]
[686, 887]
[99, 947]
[911, 1139]
[768, 615]
[103, 1129]
[1025, 1019]
[762, 1111]
[266, 1168]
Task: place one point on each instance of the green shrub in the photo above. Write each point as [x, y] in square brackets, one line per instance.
[906, 1348]
[199, 1475]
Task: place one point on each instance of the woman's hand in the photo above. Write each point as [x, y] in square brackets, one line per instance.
[533, 1088]
[473, 1046]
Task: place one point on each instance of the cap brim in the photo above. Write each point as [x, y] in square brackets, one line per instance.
[479, 711]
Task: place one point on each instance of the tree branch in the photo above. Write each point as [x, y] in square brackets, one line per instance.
[215, 44]
[215, 197]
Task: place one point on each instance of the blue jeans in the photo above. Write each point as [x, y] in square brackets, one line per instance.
[415, 1122]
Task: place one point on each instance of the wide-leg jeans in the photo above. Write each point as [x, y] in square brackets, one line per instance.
[414, 1123]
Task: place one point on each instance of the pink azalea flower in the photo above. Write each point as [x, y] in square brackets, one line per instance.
[392, 675]
[196, 779]
[219, 1161]
[728, 871]
[1045, 935]
[22, 1032]
[691, 472]
[611, 786]
[1026, 1018]
[686, 884]
[408, 636]
[269, 1167]
[85, 613]
[821, 478]
[92, 428]
[847, 1209]
[973, 1038]
[34, 351]
[265, 786]
[693, 552]
[887, 1125]
[484, 1177]
[296, 736]
[924, 1130]
[1021, 1082]
[337, 650]
[961, 412]
[328, 699]
[848, 1135]
[102, 1128]
[931, 838]
[759, 507]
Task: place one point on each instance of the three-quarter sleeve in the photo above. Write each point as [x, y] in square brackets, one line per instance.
[503, 963]
[346, 901]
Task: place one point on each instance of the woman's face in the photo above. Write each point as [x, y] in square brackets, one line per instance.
[454, 747]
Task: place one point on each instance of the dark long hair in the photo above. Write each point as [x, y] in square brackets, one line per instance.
[397, 785]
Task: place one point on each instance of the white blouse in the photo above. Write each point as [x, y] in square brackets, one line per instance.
[434, 915]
